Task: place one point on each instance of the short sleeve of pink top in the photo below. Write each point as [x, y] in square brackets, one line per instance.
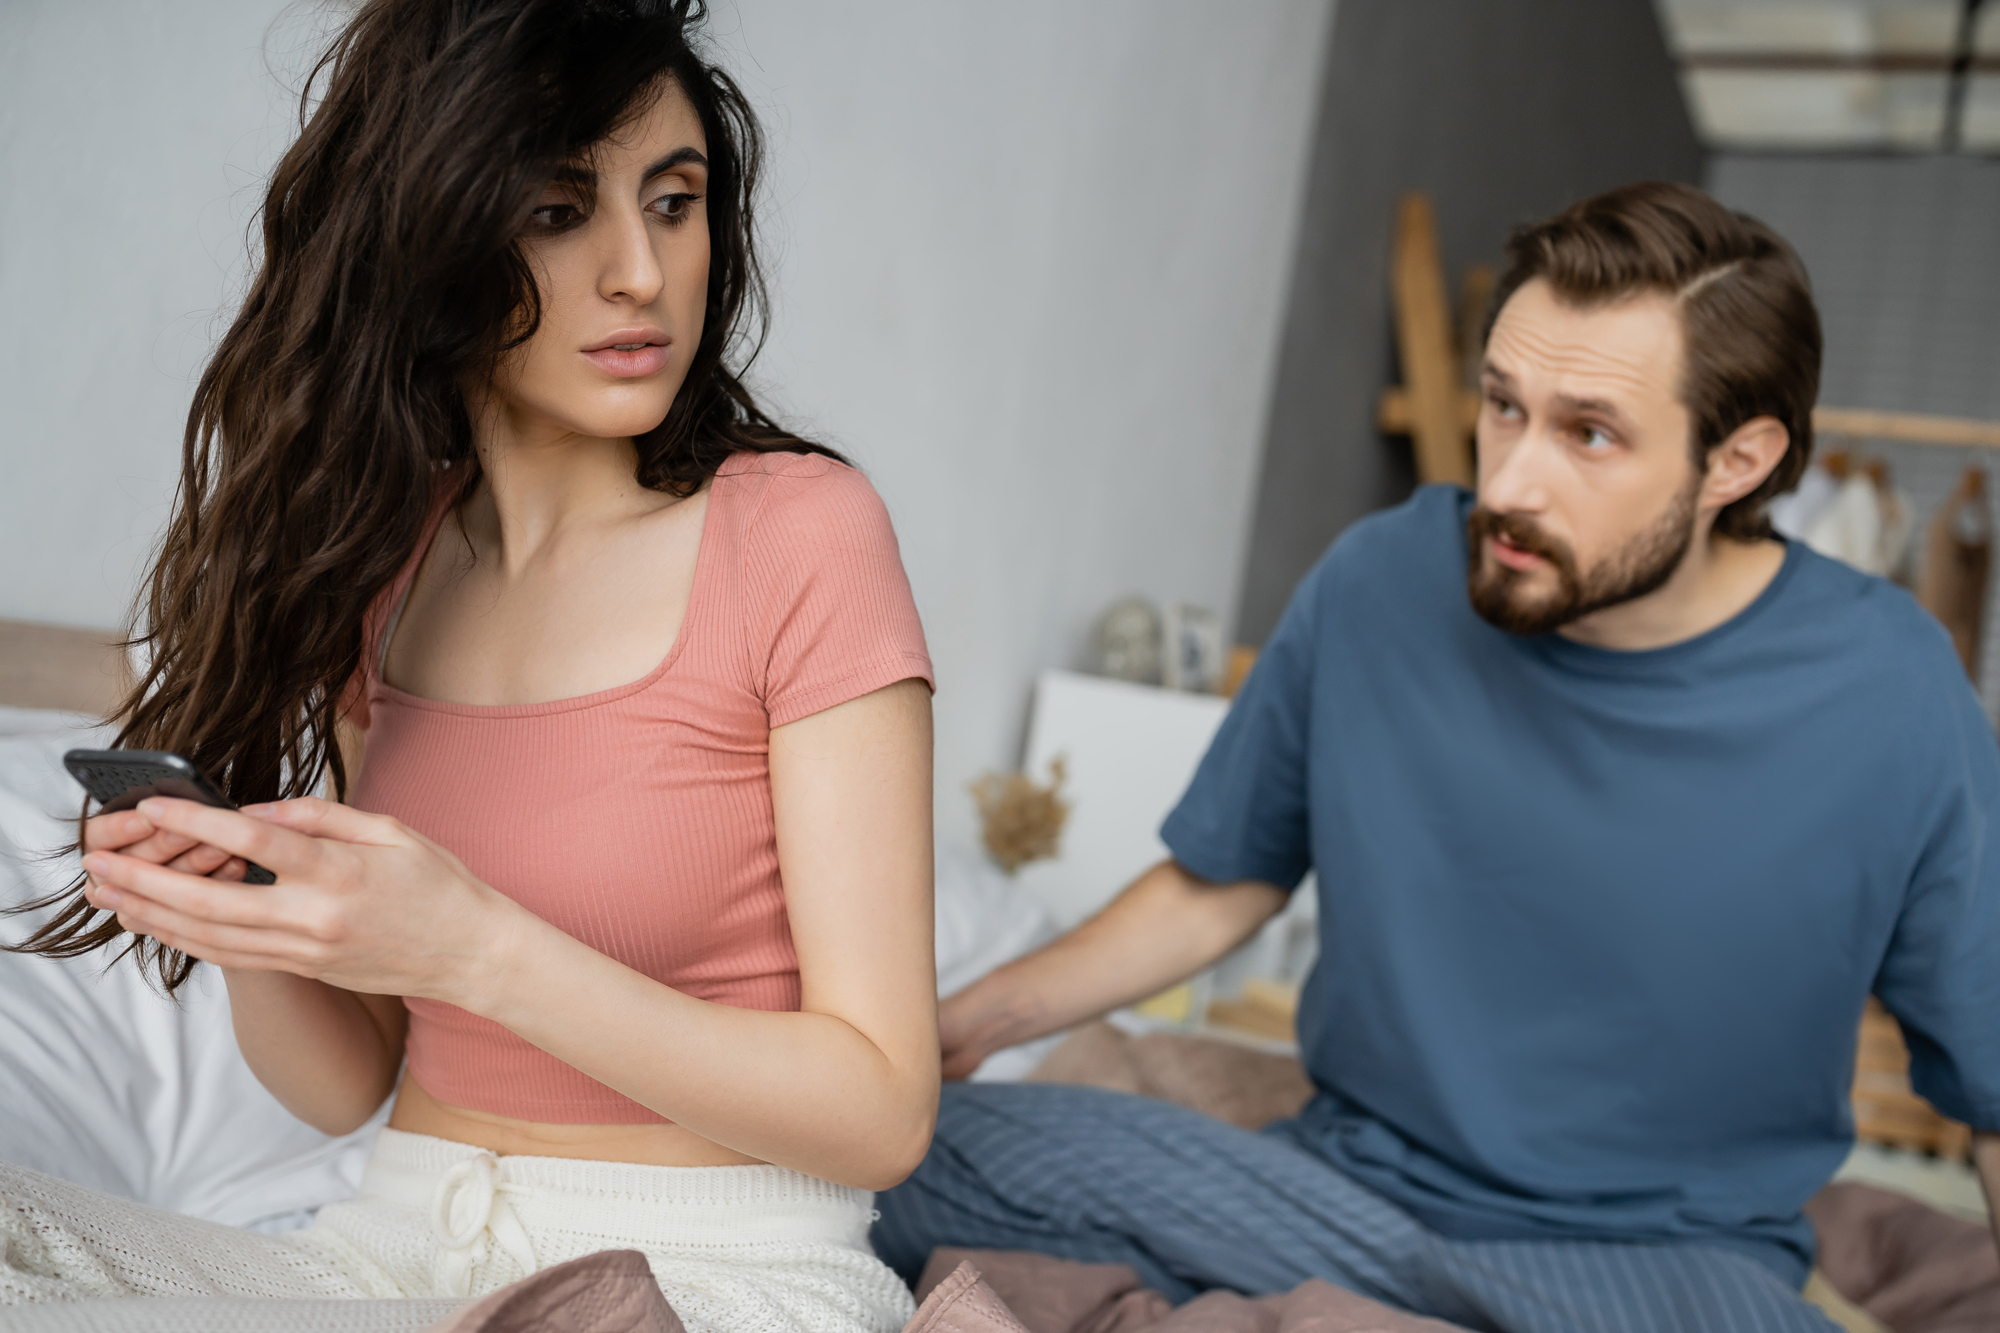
[638, 819]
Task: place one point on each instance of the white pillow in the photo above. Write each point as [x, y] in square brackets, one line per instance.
[985, 918]
[108, 1083]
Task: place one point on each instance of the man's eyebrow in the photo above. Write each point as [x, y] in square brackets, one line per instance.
[1603, 407]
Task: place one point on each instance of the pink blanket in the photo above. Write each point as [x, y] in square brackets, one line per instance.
[1912, 1267]
[1056, 1296]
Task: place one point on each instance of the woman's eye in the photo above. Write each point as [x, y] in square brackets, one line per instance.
[554, 217]
[675, 207]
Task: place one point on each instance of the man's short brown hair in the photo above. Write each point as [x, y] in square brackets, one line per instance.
[1750, 331]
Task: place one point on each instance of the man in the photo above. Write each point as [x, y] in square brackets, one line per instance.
[1620, 809]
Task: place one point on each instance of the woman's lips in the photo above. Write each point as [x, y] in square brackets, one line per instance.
[1512, 556]
[646, 359]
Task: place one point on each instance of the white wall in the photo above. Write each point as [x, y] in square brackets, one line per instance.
[133, 136]
[1029, 260]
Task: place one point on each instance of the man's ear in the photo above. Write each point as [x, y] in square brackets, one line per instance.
[1740, 463]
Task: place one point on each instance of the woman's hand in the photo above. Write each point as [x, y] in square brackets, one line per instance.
[131, 833]
[361, 902]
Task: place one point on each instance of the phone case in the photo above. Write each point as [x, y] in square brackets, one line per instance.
[120, 779]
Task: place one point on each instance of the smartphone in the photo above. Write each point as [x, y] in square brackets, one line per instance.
[120, 779]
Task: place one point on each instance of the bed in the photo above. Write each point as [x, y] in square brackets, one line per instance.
[107, 1083]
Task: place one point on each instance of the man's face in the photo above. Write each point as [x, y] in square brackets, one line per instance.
[1587, 483]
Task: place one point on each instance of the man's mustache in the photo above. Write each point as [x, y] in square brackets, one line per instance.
[1518, 532]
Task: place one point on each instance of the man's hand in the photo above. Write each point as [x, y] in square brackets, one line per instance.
[972, 1026]
[1163, 928]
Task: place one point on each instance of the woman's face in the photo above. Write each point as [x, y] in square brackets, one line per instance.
[619, 244]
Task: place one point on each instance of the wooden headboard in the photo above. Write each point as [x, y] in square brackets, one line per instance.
[53, 666]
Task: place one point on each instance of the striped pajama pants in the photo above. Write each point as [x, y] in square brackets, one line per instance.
[1193, 1204]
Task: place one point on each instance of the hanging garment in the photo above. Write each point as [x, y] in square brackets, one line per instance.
[1850, 528]
[1958, 562]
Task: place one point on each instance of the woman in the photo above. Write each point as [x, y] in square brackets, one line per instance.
[631, 702]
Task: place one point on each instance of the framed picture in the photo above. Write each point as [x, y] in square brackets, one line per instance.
[1192, 656]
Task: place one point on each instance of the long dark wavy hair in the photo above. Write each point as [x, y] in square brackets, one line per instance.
[391, 277]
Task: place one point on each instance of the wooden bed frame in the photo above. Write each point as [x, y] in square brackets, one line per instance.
[53, 666]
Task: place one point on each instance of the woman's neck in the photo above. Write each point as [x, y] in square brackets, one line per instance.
[540, 479]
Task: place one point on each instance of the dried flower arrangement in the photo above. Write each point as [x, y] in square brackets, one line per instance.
[1023, 820]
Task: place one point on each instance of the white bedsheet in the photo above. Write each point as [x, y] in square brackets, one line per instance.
[106, 1082]
[985, 918]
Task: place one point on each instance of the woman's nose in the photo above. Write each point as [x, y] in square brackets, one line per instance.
[630, 270]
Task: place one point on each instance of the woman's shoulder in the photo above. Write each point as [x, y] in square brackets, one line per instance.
[827, 611]
[803, 497]
[795, 463]
[793, 473]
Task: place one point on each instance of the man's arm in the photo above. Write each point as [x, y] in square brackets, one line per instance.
[1986, 1156]
[1163, 928]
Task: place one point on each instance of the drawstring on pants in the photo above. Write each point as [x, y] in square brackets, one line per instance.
[472, 1190]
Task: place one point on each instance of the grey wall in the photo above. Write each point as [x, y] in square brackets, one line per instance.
[1503, 113]
[1904, 254]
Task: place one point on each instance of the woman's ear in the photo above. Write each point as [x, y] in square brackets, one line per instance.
[1740, 463]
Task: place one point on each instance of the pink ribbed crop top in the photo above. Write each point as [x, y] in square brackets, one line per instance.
[638, 819]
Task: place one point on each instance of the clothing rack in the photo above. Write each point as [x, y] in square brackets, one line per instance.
[1906, 427]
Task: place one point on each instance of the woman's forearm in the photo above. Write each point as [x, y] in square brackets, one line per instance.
[329, 1056]
[805, 1090]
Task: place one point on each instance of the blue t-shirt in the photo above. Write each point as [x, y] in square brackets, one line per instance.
[1597, 927]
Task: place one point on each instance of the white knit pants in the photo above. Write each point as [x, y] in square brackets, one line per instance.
[736, 1249]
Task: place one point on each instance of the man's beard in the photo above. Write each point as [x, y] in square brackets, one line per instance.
[1642, 565]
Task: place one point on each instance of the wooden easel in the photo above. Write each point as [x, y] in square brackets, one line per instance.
[1436, 405]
